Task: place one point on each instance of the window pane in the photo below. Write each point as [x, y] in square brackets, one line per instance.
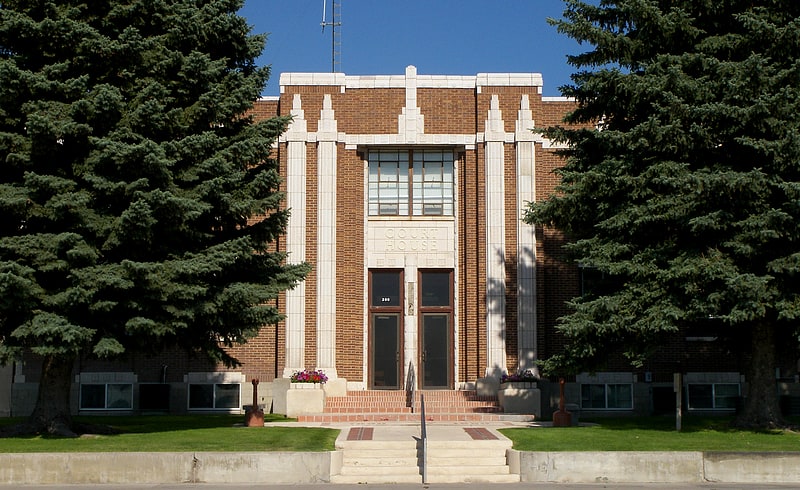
[435, 289]
[433, 183]
[93, 396]
[593, 396]
[386, 289]
[620, 396]
[201, 396]
[388, 183]
[701, 396]
[227, 395]
[385, 346]
[726, 396]
[119, 396]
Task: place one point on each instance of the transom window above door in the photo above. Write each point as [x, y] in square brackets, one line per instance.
[411, 182]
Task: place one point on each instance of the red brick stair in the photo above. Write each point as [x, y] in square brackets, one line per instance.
[400, 406]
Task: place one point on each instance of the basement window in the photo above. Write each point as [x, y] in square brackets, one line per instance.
[217, 396]
[106, 396]
[607, 396]
[713, 396]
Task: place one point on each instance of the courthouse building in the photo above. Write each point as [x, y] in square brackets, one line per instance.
[407, 194]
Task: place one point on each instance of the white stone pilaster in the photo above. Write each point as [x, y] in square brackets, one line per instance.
[411, 122]
[526, 240]
[495, 241]
[296, 137]
[326, 239]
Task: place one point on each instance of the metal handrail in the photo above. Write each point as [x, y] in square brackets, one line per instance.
[424, 436]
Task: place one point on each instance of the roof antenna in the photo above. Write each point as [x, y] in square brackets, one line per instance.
[336, 34]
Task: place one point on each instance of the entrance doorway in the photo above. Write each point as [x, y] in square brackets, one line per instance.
[386, 332]
[435, 327]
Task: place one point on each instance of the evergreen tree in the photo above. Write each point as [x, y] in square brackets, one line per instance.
[140, 204]
[683, 184]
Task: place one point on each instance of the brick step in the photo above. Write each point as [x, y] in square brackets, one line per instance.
[429, 394]
[348, 400]
[411, 418]
[428, 410]
[396, 402]
[403, 401]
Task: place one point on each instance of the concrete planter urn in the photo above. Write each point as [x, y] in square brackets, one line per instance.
[305, 386]
[293, 399]
[519, 385]
[520, 397]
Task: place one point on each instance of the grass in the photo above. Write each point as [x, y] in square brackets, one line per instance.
[179, 433]
[653, 434]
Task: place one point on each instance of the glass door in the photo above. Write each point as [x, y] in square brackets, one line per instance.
[435, 326]
[386, 333]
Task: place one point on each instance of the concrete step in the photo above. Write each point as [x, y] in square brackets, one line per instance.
[469, 447]
[380, 470]
[508, 478]
[373, 445]
[379, 461]
[374, 479]
[467, 470]
[370, 453]
[334, 418]
[477, 464]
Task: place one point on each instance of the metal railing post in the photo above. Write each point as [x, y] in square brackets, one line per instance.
[424, 437]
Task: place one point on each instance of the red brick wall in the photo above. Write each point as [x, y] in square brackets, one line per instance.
[448, 111]
[350, 264]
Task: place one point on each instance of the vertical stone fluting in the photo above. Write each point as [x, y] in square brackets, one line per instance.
[296, 137]
[326, 239]
[526, 239]
[495, 241]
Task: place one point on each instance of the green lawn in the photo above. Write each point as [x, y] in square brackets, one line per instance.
[653, 434]
[180, 433]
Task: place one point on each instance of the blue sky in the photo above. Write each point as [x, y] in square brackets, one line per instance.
[439, 37]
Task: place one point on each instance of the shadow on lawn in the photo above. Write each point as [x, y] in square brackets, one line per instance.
[148, 424]
[666, 423]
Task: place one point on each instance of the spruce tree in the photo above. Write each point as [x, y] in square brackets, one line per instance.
[682, 181]
[140, 202]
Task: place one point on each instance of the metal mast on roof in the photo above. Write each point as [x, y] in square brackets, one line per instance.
[336, 33]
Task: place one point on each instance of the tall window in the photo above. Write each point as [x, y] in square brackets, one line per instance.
[419, 181]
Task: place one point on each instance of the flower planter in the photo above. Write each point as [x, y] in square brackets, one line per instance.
[305, 386]
[520, 397]
[293, 399]
[519, 385]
